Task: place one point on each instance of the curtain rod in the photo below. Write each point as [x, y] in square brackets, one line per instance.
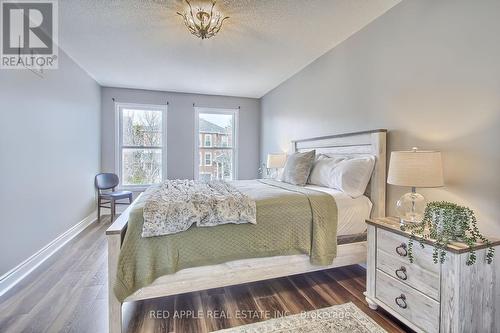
[214, 107]
[114, 100]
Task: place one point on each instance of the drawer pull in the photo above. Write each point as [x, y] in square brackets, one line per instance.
[401, 301]
[401, 250]
[401, 273]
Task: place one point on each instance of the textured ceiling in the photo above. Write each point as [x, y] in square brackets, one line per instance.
[144, 44]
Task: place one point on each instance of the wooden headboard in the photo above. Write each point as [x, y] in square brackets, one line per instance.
[356, 144]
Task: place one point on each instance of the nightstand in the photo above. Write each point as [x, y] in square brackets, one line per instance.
[429, 297]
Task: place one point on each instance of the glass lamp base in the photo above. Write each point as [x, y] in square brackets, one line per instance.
[411, 208]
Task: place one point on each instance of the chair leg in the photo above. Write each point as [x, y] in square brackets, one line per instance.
[98, 209]
[113, 211]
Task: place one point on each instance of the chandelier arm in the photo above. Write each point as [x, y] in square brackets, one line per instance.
[190, 28]
[193, 31]
[216, 28]
[198, 27]
[183, 16]
[211, 15]
[221, 23]
[216, 24]
[190, 9]
[211, 27]
[215, 31]
[212, 8]
[185, 20]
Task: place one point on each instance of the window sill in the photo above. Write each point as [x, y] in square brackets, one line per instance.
[134, 188]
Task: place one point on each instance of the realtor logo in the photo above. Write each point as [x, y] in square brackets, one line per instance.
[29, 34]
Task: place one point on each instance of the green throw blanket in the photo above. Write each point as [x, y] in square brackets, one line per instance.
[290, 220]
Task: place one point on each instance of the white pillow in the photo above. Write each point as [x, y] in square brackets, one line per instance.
[351, 176]
[322, 170]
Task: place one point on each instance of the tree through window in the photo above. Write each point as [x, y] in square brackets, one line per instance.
[141, 144]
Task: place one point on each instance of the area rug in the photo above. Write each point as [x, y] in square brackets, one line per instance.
[345, 318]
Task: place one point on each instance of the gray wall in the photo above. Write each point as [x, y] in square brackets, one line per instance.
[180, 128]
[49, 152]
[428, 71]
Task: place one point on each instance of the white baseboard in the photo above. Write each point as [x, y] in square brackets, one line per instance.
[15, 275]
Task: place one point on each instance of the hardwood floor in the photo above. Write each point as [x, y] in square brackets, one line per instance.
[68, 293]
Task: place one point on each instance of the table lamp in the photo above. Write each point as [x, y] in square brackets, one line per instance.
[275, 162]
[416, 168]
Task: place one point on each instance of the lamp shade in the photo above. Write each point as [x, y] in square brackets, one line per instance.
[417, 168]
[276, 161]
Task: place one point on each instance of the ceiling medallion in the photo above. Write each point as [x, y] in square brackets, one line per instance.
[202, 23]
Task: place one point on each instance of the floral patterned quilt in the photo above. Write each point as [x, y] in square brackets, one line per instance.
[175, 205]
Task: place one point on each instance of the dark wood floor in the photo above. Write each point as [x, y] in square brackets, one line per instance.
[68, 293]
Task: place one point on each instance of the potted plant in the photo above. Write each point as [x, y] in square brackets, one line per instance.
[445, 222]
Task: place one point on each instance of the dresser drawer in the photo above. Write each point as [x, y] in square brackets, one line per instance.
[414, 306]
[427, 282]
[396, 247]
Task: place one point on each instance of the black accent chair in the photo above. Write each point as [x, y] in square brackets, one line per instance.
[105, 184]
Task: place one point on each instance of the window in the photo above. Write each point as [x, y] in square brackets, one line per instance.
[141, 146]
[216, 143]
[208, 140]
[224, 141]
[208, 159]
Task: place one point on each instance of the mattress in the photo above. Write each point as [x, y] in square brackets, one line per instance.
[352, 212]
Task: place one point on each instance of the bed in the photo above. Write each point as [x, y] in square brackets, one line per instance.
[351, 248]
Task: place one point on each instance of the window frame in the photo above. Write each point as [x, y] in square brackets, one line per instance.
[209, 136]
[208, 153]
[224, 141]
[215, 110]
[118, 146]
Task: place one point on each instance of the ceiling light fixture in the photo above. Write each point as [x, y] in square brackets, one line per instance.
[203, 24]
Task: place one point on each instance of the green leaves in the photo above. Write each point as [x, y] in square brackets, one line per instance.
[445, 222]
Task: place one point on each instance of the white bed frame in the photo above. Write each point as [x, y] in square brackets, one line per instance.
[249, 270]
